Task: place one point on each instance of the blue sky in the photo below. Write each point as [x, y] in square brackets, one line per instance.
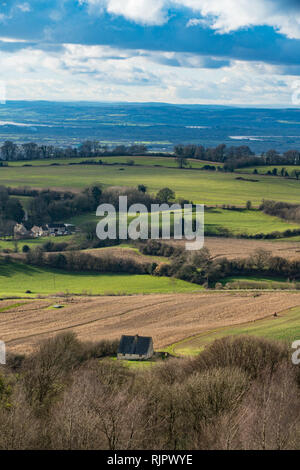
[178, 51]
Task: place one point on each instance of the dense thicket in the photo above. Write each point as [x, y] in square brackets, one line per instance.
[240, 393]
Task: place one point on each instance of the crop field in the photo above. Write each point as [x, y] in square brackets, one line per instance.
[219, 247]
[285, 327]
[241, 248]
[17, 278]
[167, 318]
[215, 188]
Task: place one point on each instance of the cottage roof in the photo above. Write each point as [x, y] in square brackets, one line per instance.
[134, 345]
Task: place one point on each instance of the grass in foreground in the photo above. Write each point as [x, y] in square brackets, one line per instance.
[285, 327]
[17, 278]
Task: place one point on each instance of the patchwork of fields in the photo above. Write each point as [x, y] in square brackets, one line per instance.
[178, 313]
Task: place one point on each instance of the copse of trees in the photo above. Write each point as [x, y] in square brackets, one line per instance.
[70, 395]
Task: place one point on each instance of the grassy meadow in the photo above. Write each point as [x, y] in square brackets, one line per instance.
[238, 222]
[214, 188]
[10, 245]
[167, 162]
[263, 170]
[258, 282]
[17, 278]
[285, 327]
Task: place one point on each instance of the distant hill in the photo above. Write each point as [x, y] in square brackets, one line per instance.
[159, 126]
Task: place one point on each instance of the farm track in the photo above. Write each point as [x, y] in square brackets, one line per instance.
[166, 317]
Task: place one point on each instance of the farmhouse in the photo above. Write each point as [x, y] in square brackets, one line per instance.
[20, 231]
[37, 231]
[136, 348]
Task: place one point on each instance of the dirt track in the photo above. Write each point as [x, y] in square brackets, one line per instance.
[168, 318]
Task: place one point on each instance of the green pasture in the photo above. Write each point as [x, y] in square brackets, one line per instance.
[285, 327]
[16, 278]
[215, 188]
[138, 160]
[263, 170]
[258, 282]
[9, 244]
[238, 222]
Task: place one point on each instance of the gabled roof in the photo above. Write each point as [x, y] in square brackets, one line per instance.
[134, 345]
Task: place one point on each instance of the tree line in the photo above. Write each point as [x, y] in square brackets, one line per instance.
[234, 157]
[10, 151]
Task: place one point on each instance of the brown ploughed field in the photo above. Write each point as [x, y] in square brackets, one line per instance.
[166, 317]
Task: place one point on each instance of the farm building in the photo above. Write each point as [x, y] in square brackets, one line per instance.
[60, 229]
[20, 231]
[37, 231]
[137, 348]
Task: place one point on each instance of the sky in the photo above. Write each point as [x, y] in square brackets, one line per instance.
[178, 51]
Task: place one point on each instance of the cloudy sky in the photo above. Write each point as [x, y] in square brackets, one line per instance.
[178, 51]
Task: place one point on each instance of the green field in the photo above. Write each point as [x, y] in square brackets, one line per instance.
[144, 161]
[258, 282]
[262, 170]
[286, 327]
[237, 222]
[32, 242]
[17, 278]
[249, 222]
[199, 186]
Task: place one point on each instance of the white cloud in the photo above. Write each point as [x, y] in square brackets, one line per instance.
[229, 15]
[221, 15]
[103, 73]
[141, 11]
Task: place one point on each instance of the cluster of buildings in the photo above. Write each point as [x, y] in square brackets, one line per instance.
[49, 230]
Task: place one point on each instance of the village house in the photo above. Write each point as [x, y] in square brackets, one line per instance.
[137, 348]
[20, 231]
[37, 231]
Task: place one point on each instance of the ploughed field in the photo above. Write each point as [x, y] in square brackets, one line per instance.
[168, 318]
[240, 248]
